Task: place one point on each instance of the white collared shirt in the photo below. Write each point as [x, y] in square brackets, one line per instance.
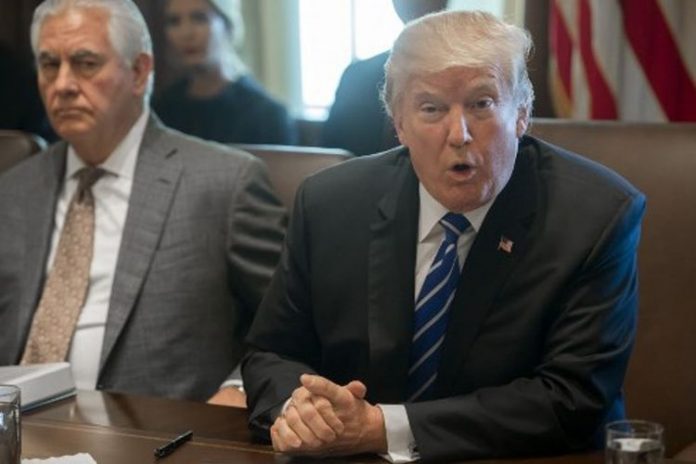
[111, 196]
[401, 444]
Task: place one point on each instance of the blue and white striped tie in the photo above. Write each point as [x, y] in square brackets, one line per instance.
[432, 310]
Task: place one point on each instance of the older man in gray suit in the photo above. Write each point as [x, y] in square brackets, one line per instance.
[135, 252]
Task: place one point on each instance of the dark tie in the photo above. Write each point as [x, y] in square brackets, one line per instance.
[432, 310]
[68, 280]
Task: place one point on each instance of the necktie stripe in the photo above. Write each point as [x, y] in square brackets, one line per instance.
[430, 336]
[439, 280]
[429, 324]
[432, 310]
[451, 227]
[426, 355]
[435, 267]
[444, 282]
[435, 319]
[433, 292]
[422, 389]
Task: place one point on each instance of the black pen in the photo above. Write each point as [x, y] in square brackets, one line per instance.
[170, 447]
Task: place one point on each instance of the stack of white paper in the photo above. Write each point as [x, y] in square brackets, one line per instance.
[39, 383]
[81, 458]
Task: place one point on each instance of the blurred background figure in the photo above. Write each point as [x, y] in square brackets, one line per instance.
[216, 99]
[357, 121]
[20, 104]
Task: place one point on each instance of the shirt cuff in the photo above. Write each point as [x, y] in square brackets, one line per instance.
[236, 383]
[234, 380]
[401, 444]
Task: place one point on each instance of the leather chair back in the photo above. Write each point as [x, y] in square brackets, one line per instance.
[16, 146]
[289, 165]
[660, 160]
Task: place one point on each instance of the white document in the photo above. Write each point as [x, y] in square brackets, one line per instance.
[81, 458]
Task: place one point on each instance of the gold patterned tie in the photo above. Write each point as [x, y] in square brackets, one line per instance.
[66, 286]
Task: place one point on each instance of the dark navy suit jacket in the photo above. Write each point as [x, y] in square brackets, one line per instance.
[538, 338]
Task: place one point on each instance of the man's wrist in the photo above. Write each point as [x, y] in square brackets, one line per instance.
[376, 433]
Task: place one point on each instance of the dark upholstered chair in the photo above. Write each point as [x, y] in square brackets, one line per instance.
[16, 146]
[659, 159]
[289, 165]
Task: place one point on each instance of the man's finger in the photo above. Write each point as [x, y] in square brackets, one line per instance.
[357, 388]
[321, 386]
[328, 413]
[315, 422]
[283, 438]
[303, 430]
[301, 395]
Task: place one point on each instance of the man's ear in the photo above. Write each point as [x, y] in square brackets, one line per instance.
[142, 69]
[522, 122]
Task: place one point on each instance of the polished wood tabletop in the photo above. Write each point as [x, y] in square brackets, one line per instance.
[117, 429]
[125, 429]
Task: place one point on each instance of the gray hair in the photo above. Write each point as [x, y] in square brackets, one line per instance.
[128, 32]
[443, 40]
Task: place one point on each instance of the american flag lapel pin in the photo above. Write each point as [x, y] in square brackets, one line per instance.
[505, 244]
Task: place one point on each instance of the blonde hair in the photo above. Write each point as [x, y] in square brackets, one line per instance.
[231, 12]
[448, 39]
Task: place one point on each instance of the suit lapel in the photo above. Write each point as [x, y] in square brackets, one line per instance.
[40, 217]
[156, 179]
[487, 267]
[392, 257]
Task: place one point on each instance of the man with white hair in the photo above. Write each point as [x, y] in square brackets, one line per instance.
[134, 252]
[474, 298]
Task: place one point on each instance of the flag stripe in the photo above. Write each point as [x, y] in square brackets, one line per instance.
[681, 17]
[562, 47]
[603, 103]
[658, 53]
[618, 59]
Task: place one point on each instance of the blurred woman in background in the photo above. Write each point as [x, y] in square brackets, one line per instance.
[216, 99]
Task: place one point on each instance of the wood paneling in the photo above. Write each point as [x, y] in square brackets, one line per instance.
[15, 19]
[536, 19]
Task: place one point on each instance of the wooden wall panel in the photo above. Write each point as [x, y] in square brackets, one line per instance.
[536, 19]
[15, 19]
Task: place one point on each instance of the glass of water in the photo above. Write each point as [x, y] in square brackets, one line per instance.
[634, 442]
[10, 430]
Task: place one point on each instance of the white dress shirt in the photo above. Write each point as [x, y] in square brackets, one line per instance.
[401, 444]
[111, 196]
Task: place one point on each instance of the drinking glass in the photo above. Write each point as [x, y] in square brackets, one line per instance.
[634, 442]
[10, 430]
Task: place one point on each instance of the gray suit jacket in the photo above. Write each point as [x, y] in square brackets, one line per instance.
[201, 239]
[538, 338]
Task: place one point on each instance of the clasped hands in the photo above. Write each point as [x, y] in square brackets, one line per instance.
[326, 419]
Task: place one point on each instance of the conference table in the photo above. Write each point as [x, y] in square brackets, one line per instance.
[125, 429]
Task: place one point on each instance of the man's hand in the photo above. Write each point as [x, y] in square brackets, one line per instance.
[323, 419]
[229, 396]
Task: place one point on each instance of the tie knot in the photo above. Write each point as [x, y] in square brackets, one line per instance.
[454, 224]
[86, 177]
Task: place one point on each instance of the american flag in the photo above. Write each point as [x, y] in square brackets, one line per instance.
[623, 59]
[505, 244]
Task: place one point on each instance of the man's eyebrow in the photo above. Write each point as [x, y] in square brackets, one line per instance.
[424, 95]
[486, 86]
[47, 56]
[82, 54]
